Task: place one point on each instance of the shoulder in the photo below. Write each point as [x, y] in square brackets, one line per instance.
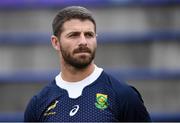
[129, 100]
[48, 93]
[50, 89]
[40, 101]
[119, 86]
[123, 91]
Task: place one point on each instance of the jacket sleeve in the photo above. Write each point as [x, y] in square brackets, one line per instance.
[31, 111]
[133, 108]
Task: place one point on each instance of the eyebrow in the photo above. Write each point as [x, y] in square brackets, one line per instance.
[78, 32]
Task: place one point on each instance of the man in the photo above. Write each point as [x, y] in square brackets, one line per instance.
[82, 92]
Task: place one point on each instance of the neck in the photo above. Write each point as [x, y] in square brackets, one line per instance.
[72, 74]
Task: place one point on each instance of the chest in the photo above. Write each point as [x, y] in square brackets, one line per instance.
[94, 106]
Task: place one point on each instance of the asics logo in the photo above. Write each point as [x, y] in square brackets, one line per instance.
[74, 110]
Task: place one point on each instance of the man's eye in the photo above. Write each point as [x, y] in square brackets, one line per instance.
[89, 35]
[73, 35]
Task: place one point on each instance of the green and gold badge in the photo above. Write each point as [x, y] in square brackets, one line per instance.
[101, 101]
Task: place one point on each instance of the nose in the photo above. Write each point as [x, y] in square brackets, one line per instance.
[82, 40]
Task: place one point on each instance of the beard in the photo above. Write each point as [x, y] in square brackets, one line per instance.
[76, 60]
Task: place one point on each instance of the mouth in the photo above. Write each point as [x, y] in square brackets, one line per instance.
[82, 51]
[82, 54]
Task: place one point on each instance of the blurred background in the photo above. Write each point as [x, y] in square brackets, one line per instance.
[138, 42]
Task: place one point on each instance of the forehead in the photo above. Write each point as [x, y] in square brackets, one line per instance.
[78, 25]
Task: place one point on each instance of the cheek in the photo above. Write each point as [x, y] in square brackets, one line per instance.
[66, 46]
[94, 43]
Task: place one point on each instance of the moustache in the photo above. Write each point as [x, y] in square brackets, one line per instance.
[82, 49]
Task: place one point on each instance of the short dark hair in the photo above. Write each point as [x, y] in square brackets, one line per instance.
[68, 13]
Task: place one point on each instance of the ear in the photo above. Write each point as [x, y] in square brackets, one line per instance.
[55, 42]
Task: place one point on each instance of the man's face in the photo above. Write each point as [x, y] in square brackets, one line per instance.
[78, 43]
